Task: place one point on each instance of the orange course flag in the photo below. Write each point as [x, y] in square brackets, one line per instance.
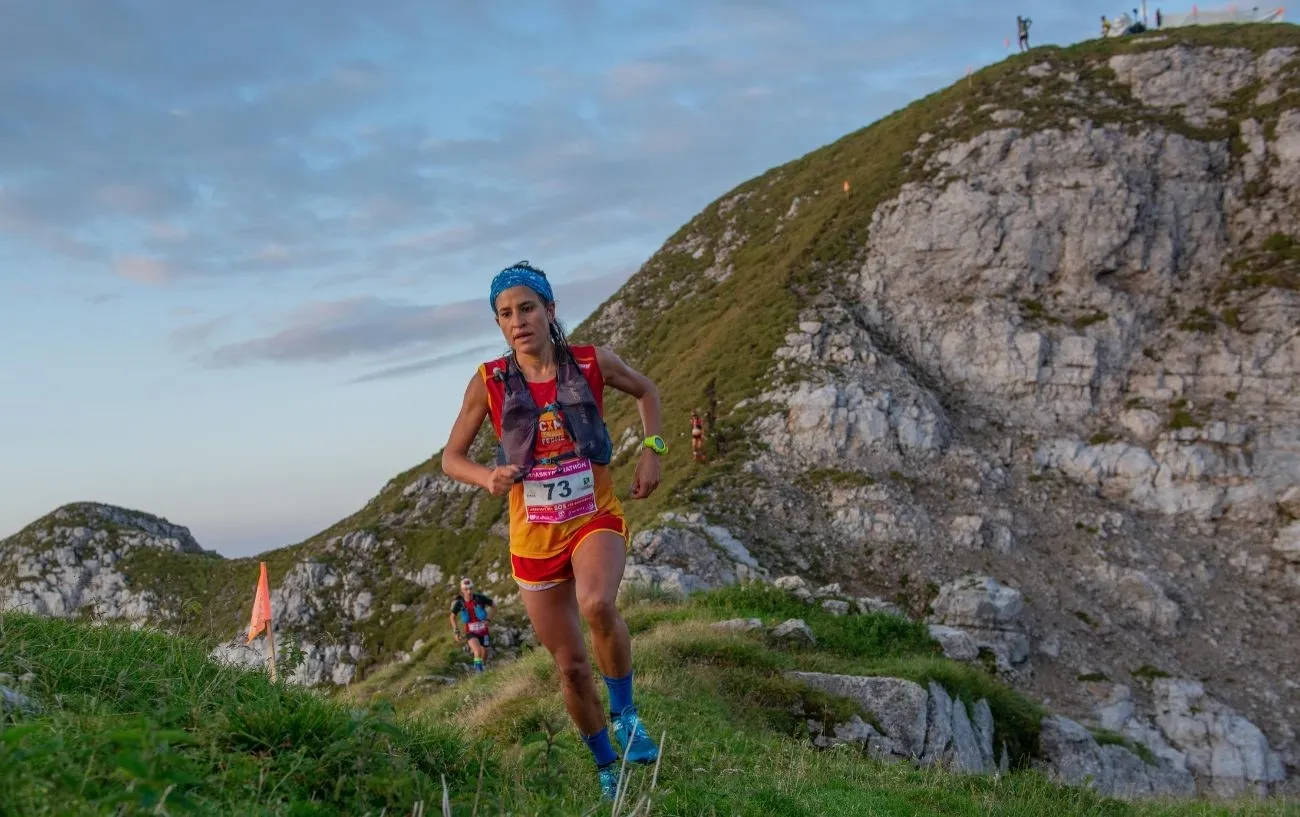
[261, 618]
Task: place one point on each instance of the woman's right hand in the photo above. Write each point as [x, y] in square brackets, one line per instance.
[501, 479]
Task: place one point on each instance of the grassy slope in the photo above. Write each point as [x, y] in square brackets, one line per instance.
[133, 716]
[133, 719]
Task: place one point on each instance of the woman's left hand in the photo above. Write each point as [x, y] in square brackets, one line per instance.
[646, 478]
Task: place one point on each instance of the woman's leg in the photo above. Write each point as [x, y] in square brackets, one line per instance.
[597, 572]
[554, 614]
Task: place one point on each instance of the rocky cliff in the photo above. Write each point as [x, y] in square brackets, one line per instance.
[73, 562]
[1046, 334]
[1032, 375]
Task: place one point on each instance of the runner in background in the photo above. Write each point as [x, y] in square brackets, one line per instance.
[471, 609]
[697, 435]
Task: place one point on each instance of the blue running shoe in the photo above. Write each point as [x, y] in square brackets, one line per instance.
[608, 781]
[635, 740]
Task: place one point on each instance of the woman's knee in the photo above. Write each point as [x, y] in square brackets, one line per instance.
[600, 612]
[574, 668]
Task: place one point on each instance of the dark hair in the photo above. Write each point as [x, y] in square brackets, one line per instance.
[560, 340]
[556, 330]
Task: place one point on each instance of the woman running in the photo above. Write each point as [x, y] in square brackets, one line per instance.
[697, 435]
[568, 535]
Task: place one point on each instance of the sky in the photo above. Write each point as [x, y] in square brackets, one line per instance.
[245, 248]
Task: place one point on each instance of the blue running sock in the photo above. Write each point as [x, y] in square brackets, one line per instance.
[620, 693]
[600, 747]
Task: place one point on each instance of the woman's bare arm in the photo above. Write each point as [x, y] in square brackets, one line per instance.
[628, 380]
[455, 455]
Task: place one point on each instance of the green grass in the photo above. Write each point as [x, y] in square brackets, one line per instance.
[138, 722]
[1276, 265]
[852, 636]
[836, 478]
[1200, 320]
[1084, 321]
[1106, 737]
[736, 729]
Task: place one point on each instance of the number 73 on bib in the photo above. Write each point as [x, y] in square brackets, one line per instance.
[559, 493]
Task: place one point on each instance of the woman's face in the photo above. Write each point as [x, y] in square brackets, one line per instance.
[524, 320]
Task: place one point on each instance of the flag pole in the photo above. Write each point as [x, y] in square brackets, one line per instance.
[270, 646]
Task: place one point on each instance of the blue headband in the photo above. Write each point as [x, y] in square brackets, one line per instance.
[520, 274]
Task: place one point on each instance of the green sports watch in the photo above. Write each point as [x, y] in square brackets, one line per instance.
[655, 443]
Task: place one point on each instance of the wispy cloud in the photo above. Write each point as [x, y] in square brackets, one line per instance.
[193, 335]
[369, 326]
[424, 365]
[317, 152]
[145, 270]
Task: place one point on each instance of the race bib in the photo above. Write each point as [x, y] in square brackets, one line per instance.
[558, 493]
[477, 627]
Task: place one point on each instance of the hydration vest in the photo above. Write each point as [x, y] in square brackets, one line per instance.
[574, 404]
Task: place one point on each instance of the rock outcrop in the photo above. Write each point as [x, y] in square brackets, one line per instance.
[1072, 755]
[66, 563]
[1190, 730]
[977, 613]
[685, 553]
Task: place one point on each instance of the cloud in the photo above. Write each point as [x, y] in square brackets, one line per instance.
[188, 337]
[144, 270]
[336, 330]
[332, 141]
[367, 326]
[408, 369]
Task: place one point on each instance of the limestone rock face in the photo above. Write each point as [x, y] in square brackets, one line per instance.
[1224, 749]
[686, 553]
[1188, 730]
[1073, 756]
[977, 612]
[924, 726]
[66, 564]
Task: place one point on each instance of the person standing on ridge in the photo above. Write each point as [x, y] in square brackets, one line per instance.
[697, 435]
[1022, 29]
[471, 610]
[568, 534]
